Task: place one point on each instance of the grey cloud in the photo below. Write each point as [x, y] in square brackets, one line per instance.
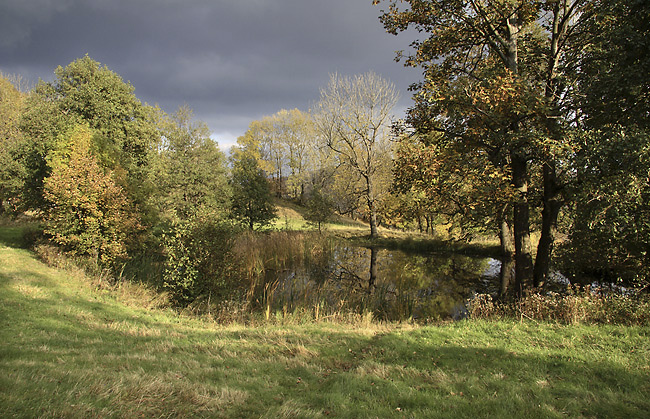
[18, 17]
[231, 61]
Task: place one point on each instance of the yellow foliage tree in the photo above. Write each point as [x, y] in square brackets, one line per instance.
[88, 211]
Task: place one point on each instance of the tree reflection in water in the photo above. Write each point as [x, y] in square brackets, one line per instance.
[394, 285]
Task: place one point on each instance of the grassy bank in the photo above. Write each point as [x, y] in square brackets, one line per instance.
[70, 347]
[291, 217]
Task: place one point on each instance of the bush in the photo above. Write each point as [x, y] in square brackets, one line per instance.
[610, 229]
[199, 259]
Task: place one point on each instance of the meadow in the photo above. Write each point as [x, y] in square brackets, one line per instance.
[78, 346]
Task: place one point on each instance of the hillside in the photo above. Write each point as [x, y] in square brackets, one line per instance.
[291, 216]
[75, 347]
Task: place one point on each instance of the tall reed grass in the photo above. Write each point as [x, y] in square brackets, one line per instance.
[264, 260]
[577, 305]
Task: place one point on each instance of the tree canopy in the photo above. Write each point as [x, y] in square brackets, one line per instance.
[493, 81]
[284, 143]
[87, 92]
[189, 171]
[353, 118]
[251, 194]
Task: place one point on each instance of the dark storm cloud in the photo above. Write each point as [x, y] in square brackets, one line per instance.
[231, 61]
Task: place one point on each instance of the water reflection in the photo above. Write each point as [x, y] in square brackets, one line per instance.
[394, 285]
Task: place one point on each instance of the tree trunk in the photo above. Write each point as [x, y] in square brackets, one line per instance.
[551, 202]
[373, 220]
[373, 269]
[523, 256]
[507, 271]
[505, 236]
[251, 224]
[549, 225]
[521, 221]
[371, 207]
[505, 275]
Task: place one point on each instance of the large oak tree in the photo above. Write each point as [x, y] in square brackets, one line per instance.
[494, 81]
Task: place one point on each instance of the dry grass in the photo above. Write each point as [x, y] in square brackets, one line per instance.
[577, 305]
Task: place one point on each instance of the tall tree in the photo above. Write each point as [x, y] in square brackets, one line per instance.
[353, 117]
[260, 142]
[296, 132]
[611, 209]
[190, 170]
[493, 74]
[251, 194]
[87, 92]
[285, 142]
[11, 107]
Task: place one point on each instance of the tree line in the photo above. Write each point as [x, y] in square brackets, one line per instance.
[112, 178]
[339, 155]
[532, 116]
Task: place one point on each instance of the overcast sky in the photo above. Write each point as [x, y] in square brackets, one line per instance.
[231, 61]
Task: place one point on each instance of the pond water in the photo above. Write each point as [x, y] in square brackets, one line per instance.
[394, 285]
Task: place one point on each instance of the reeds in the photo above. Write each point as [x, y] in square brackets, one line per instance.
[263, 259]
[577, 305]
[297, 276]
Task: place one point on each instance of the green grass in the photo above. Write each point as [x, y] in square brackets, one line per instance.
[70, 347]
[290, 216]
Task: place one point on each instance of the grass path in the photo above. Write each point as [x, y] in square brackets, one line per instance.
[68, 349]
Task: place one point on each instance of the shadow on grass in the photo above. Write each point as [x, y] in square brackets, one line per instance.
[19, 235]
[507, 383]
[77, 355]
[69, 351]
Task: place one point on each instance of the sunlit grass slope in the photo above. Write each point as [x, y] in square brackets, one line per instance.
[71, 349]
[290, 216]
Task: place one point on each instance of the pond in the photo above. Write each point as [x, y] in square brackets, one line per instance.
[392, 284]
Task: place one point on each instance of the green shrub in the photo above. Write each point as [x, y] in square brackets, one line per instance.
[199, 259]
